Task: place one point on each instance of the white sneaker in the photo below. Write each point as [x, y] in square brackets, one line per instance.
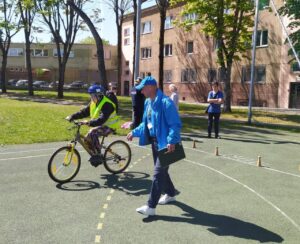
[146, 210]
[166, 199]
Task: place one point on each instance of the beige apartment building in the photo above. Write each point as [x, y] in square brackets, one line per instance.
[190, 61]
[82, 64]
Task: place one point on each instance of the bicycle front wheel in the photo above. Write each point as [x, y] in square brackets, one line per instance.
[64, 164]
[117, 157]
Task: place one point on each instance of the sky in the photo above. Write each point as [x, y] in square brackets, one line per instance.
[108, 29]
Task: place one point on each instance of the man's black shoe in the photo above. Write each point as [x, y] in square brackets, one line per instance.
[96, 160]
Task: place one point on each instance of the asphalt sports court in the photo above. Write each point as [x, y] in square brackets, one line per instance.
[221, 199]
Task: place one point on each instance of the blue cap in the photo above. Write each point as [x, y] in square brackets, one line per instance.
[147, 81]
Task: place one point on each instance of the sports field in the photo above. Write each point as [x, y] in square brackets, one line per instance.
[221, 199]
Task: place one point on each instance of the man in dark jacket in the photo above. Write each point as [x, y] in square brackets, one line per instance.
[138, 100]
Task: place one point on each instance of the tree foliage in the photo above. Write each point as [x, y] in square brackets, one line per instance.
[228, 22]
[9, 26]
[291, 9]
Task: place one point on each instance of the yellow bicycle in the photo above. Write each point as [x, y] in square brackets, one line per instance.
[65, 162]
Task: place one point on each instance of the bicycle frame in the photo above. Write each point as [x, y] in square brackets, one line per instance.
[80, 139]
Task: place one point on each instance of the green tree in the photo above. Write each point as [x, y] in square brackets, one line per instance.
[63, 24]
[228, 22]
[27, 12]
[9, 26]
[97, 37]
[291, 9]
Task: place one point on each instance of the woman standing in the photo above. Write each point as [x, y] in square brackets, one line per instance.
[174, 95]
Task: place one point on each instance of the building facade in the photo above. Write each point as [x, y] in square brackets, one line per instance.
[82, 64]
[190, 60]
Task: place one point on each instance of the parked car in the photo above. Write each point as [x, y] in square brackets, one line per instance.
[40, 84]
[53, 84]
[78, 84]
[12, 82]
[22, 83]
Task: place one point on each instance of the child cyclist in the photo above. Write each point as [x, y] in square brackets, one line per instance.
[103, 119]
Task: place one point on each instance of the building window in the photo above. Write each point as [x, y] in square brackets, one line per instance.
[167, 76]
[146, 27]
[221, 74]
[14, 52]
[127, 63]
[127, 32]
[39, 52]
[126, 41]
[211, 75]
[190, 17]
[169, 22]
[146, 53]
[168, 50]
[262, 38]
[259, 77]
[126, 72]
[295, 67]
[71, 55]
[264, 4]
[188, 75]
[190, 47]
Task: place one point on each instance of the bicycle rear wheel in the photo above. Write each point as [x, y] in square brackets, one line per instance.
[117, 157]
[64, 164]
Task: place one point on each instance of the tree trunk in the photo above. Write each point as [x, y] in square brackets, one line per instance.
[28, 63]
[3, 73]
[227, 89]
[98, 40]
[161, 48]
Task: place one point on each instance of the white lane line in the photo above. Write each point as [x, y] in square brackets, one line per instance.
[100, 226]
[250, 189]
[35, 156]
[97, 239]
[251, 163]
[33, 150]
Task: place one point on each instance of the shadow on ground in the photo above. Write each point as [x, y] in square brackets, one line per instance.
[78, 185]
[132, 183]
[220, 225]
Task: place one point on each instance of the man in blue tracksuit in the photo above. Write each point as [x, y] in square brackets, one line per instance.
[160, 127]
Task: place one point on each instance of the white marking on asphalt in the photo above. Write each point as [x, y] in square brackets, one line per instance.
[100, 226]
[102, 215]
[108, 198]
[112, 191]
[105, 206]
[97, 238]
[33, 150]
[251, 163]
[250, 189]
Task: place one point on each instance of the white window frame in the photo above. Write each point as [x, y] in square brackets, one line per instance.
[15, 52]
[168, 50]
[71, 55]
[167, 76]
[169, 22]
[146, 27]
[260, 37]
[146, 53]
[127, 31]
[43, 52]
[126, 41]
[188, 46]
[246, 74]
[189, 74]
